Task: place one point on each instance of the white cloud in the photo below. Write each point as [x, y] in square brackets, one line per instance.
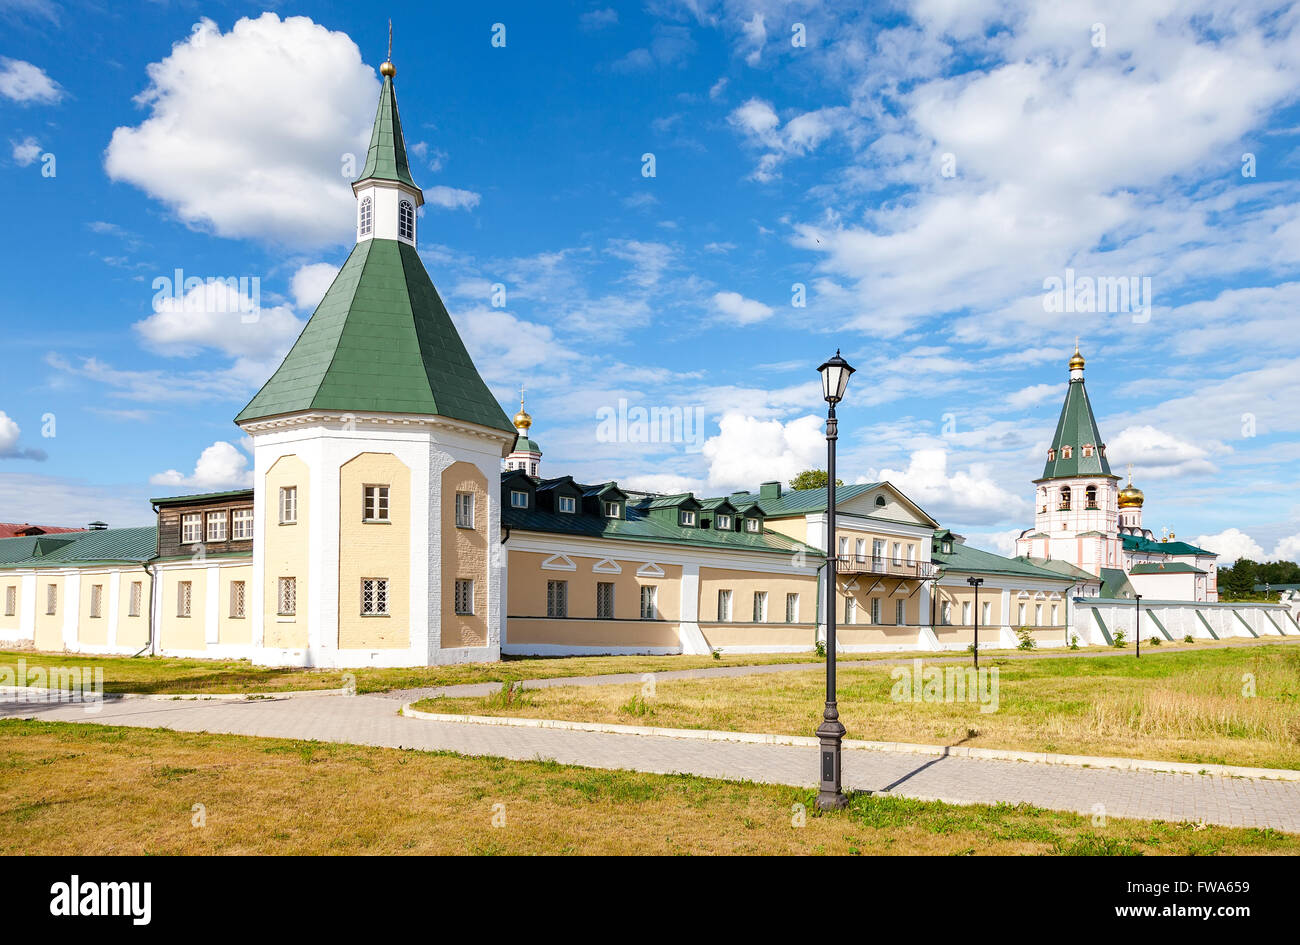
[666, 483]
[221, 465]
[755, 38]
[649, 259]
[1230, 545]
[758, 121]
[248, 130]
[217, 315]
[451, 198]
[999, 542]
[747, 450]
[27, 84]
[1288, 549]
[740, 310]
[310, 283]
[508, 349]
[26, 151]
[1156, 454]
[1033, 395]
[965, 495]
[9, 447]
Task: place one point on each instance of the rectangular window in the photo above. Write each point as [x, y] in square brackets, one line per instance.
[900, 612]
[374, 503]
[133, 604]
[791, 608]
[760, 607]
[898, 552]
[464, 597]
[688, 517]
[875, 610]
[96, 599]
[287, 603]
[877, 548]
[288, 505]
[751, 525]
[612, 510]
[566, 504]
[724, 605]
[184, 598]
[11, 600]
[1021, 612]
[724, 523]
[986, 613]
[464, 510]
[518, 500]
[850, 610]
[374, 597]
[861, 546]
[51, 599]
[237, 598]
[557, 598]
[605, 600]
[216, 526]
[191, 528]
[945, 613]
[844, 547]
[242, 521]
[911, 554]
[1054, 623]
[649, 602]
[1038, 615]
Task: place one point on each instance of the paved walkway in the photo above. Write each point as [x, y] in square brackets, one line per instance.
[373, 720]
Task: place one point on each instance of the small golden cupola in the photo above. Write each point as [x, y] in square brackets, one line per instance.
[527, 455]
[1131, 497]
[1076, 362]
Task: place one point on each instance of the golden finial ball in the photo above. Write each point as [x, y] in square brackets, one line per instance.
[388, 69]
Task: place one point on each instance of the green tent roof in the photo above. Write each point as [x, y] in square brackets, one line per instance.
[380, 340]
[1076, 428]
[1171, 567]
[386, 159]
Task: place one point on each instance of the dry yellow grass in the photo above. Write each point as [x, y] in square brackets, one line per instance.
[1174, 706]
[92, 790]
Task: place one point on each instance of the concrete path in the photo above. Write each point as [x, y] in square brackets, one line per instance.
[374, 720]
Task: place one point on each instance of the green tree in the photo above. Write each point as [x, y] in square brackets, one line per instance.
[812, 479]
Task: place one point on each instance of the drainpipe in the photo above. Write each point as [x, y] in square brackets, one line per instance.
[149, 643]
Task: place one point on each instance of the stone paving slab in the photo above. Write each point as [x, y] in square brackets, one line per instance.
[374, 720]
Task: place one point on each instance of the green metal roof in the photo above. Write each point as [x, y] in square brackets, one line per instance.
[964, 558]
[386, 159]
[800, 501]
[1060, 567]
[380, 340]
[1170, 567]
[524, 445]
[203, 497]
[1114, 584]
[1076, 428]
[101, 545]
[1150, 546]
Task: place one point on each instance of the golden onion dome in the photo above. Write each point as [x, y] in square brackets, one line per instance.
[522, 419]
[1131, 497]
[1076, 362]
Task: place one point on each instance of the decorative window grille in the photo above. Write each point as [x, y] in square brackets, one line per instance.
[605, 600]
[464, 596]
[237, 598]
[374, 597]
[184, 598]
[96, 599]
[287, 604]
[557, 598]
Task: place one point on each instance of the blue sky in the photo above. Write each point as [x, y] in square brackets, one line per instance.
[923, 170]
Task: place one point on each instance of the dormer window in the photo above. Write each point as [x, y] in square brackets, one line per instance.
[613, 510]
[406, 220]
[752, 525]
[1087, 450]
[687, 518]
[947, 546]
[518, 499]
[566, 504]
[367, 219]
[1051, 456]
[1067, 452]
[724, 523]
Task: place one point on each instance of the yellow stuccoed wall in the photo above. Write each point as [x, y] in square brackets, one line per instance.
[375, 550]
[287, 549]
[743, 584]
[8, 580]
[133, 631]
[49, 629]
[176, 632]
[235, 631]
[464, 555]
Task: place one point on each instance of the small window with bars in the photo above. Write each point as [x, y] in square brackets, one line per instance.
[464, 596]
[96, 600]
[374, 503]
[605, 600]
[242, 524]
[137, 595]
[287, 597]
[216, 526]
[184, 598]
[191, 528]
[11, 600]
[51, 599]
[464, 510]
[650, 602]
[237, 597]
[557, 598]
[374, 597]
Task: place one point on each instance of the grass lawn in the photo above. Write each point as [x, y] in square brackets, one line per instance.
[1174, 706]
[72, 788]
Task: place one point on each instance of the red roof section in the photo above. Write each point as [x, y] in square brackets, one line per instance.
[13, 530]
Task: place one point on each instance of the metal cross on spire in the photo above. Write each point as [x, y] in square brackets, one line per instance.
[390, 41]
[521, 396]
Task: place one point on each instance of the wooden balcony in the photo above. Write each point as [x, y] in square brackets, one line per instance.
[886, 567]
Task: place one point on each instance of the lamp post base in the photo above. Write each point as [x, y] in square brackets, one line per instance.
[829, 796]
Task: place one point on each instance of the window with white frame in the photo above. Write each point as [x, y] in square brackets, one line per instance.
[566, 504]
[287, 597]
[724, 605]
[687, 517]
[1054, 623]
[752, 524]
[191, 528]
[96, 599]
[850, 610]
[11, 600]
[612, 510]
[724, 523]
[861, 546]
[911, 554]
[464, 596]
[216, 526]
[791, 608]
[760, 607]
[367, 216]
[844, 547]
[986, 613]
[241, 524]
[237, 597]
[374, 503]
[406, 220]
[51, 599]
[464, 510]
[649, 602]
[900, 612]
[518, 499]
[288, 505]
[532, 469]
[184, 598]
[875, 610]
[604, 600]
[134, 601]
[374, 597]
[878, 548]
[557, 598]
[898, 552]
[965, 613]
[1038, 615]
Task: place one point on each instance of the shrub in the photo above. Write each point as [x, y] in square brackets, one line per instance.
[1188, 639]
[1074, 641]
[1121, 638]
[1154, 641]
[511, 694]
[717, 654]
[636, 706]
[1026, 637]
[821, 649]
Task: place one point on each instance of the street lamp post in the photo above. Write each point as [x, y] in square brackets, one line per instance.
[1137, 624]
[835, 378]
[975, 583]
